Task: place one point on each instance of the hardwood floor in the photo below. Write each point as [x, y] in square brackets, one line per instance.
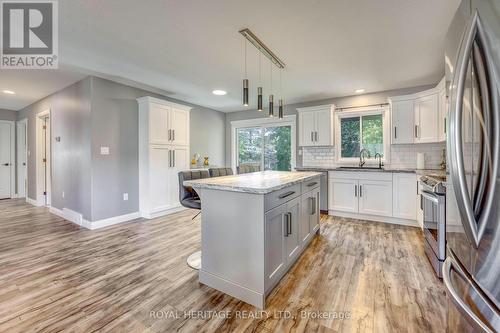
[55, 276]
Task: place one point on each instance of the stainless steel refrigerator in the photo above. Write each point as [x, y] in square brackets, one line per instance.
[471, 272]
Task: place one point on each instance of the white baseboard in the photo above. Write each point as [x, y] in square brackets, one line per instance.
[161, 212]
[110, 221]
[33, 202]
[383, 219]
[67, 214]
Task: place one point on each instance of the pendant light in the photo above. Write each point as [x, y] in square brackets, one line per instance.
[280, 102]
[245, 80]
[271, 97]
[259, 89]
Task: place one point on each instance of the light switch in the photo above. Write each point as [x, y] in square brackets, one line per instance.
[125, 196]
[104, 150]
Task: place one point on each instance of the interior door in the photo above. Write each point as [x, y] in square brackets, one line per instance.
[402, 122]
[306, 128]
[21, 159]
[179, 126]
[427, 119]
[324, 127]
[5, 162]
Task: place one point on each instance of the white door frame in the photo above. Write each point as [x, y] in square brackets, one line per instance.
[264, 122]
[41, 199]
[12, 156]
[22, 189]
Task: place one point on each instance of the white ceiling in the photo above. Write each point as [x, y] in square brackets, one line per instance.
[192, 47]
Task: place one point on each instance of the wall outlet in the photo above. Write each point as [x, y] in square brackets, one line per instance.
[104, 150]
[62, 194]
[125, 196]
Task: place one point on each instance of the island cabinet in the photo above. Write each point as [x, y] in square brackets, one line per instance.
[254, 228]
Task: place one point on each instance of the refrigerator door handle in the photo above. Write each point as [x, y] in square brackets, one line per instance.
[461, 305]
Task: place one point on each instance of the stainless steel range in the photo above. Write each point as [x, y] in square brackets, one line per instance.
[433, 205]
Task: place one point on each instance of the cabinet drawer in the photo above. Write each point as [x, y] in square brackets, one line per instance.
[310, 185]
[275, 199]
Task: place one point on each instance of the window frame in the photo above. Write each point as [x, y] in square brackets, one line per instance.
[263, 123]
[360, 112]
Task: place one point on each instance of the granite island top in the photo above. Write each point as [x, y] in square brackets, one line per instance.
[256, 182]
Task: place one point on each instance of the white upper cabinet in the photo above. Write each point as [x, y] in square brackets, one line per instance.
[168, 122]
[419, 118]
[402, 121]
[316, 126]
[426, 119]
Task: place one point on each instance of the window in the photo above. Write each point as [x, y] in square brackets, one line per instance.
[358, 131]
[269, 144]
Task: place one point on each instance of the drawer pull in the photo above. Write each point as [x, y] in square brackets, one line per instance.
[287, 194]
[312, 184]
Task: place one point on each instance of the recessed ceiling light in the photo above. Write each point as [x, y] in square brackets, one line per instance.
[359, 91]
[219, 92]
[9, 92]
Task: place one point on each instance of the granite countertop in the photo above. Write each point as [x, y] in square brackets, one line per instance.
[384, 169]
[257, 182]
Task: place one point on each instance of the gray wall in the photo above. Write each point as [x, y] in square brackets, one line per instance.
[114, 119]
[96, 112]
[71, 168]
[291, 109]
[8, 115]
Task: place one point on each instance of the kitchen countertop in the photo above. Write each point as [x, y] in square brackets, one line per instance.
[256, 182]
[389, 169]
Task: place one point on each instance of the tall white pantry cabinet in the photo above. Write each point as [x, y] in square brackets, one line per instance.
[163, 152]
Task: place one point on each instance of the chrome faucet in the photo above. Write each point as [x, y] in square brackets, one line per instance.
[362, 160]
[380, 164]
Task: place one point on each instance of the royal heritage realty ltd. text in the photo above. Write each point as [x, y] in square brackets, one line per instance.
[276, 314]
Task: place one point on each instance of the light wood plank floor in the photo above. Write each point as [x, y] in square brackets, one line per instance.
[55, 276]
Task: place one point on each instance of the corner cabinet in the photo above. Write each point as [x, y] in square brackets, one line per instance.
[419, 118]
[316, 126]
[163, 152]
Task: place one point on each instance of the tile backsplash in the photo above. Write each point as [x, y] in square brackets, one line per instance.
[402, 156]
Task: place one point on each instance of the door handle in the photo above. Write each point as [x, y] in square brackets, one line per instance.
[395, 132]
[360, 191]
[289, 223]
[285, 224]
[356, 191]
[462, 306]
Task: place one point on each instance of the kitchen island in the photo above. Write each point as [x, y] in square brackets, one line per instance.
[254, 227]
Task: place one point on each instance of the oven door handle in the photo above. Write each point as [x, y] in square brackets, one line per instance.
[429, 196]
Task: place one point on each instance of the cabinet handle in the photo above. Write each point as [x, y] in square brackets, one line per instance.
[289, 223]
[416, 135]
[173, 135]
[313, 205]
[421, 202]
[173, 158]
[356, 190]
[169, 158]
[312, 136]
[316, 136]
[312, 184]
[360, 191]
[395, 132]
[287, 194]
[169, 135]
[285, 224]
[444, 125]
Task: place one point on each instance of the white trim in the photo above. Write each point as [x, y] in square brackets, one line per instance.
[265, 122]
[38, 141]
[149, 99]
[19, 162]
[110, 221]
[12, 156]
[33, 202]
[316, 108]
[67, 214]
[357, 112]
[374, 218]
